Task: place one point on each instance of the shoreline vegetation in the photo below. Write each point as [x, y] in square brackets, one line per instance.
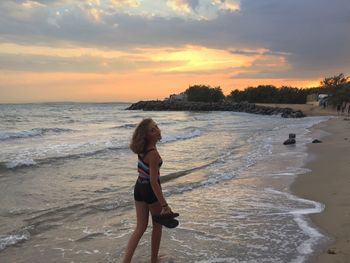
[333, 92]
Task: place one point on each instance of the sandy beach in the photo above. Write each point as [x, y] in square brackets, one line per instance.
[329, 183]
[308, 109]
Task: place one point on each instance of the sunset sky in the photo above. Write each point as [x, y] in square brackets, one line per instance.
[128, 50]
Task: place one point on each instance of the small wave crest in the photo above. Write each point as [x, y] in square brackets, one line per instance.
[182, 136]
[14, 238]
[18, 163]
[31, 133]
[26, 162]
[125, 126]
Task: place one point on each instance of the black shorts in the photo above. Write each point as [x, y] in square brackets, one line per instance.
[143, 191]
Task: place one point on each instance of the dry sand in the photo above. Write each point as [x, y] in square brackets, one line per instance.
[308, 109]
[329, 181]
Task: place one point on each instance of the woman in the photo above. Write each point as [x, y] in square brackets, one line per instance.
[147, 191]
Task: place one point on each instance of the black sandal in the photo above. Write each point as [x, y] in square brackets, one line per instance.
[169, 222]
[167, 215]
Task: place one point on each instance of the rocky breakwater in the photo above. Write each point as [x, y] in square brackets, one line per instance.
[158, 105]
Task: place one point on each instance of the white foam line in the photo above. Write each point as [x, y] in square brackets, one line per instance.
[318, 207]
[305, 248]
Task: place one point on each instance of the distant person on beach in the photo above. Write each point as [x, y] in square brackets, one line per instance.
[343, 108]
[338, 108]
[148, 193]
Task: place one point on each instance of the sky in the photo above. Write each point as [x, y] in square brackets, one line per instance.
[130, 50]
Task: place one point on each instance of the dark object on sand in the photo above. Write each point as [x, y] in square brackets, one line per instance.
[331, 251]
[291, 139]
[167, 220]
[316, 141]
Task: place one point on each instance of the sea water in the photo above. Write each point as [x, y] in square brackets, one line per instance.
[67, 177]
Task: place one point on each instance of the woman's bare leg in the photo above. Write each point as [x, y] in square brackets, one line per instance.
[142, 212]
[155, 209]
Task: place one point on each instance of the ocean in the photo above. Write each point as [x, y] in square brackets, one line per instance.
[67, 177]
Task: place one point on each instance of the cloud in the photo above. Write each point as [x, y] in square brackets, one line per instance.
[311, 35]
[40, 63]
[125, 3]
[181, 6]
[185, 60]
[203, 9]
[231, 5]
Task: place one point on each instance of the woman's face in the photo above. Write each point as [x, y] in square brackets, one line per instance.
[154, 133]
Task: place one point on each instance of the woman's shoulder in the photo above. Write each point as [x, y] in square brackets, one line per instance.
[152, 155]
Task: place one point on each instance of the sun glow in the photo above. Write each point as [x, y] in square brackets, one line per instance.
[195, 58]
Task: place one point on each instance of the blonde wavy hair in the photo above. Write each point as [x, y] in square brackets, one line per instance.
[139, 140]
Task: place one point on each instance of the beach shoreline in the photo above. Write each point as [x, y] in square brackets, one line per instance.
[328, 182]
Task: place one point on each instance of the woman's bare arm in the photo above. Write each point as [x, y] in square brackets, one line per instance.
[154, 173]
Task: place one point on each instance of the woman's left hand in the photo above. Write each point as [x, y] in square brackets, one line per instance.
[166, 210]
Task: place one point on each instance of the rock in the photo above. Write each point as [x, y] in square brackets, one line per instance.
[289, 141]
[292, 136]
[316, 141]
[158, 105]
[331, 251]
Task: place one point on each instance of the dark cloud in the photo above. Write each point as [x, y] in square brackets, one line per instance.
[314, 32]
[257, 52]
[193, 4]
[38, 63]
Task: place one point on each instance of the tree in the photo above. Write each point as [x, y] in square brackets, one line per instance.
[269, 94]
[334, 82]
[204, 93]
[338, 88]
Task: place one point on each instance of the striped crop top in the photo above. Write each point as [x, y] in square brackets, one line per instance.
[143, 167]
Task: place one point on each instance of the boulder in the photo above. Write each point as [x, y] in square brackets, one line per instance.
[289, 141]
